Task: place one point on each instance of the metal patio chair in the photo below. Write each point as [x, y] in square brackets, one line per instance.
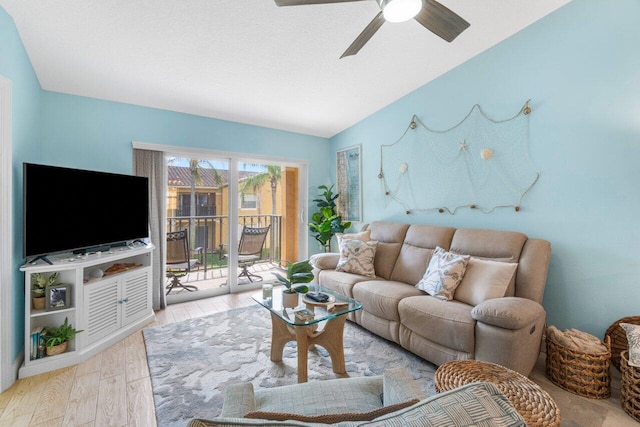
[179, 263]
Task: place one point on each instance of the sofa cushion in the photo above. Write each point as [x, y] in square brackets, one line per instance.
[332, 418]
[341, 282]
[418, 245]
[443, 274]
[358, 394]
[476, 404]
[390, 236]
[496, 245]
[399, 386]
[325, 261]
[508, 313]
[484, 280]
[448, 323]
[363, 236]
[234, 422]
[357, 257]
[381, 297]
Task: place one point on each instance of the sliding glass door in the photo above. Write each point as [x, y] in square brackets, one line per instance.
[243, 218]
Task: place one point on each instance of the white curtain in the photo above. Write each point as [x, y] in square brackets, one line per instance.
[151, 164]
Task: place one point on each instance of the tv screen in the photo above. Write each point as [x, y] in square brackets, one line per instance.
[71, 209]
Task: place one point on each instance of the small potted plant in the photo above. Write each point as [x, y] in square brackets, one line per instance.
[298, 273]
[39, 284]
[57, 339]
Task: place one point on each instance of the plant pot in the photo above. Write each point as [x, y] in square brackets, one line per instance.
[57, 349]
[289, 300]
[38, 303]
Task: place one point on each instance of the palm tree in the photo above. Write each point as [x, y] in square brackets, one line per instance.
[272, 175]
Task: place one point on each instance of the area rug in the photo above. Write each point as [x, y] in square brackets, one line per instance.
[192, 362]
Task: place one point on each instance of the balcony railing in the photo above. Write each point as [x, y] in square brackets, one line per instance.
[211, 233]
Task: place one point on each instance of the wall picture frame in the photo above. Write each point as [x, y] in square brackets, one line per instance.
[349, 183]
[57, 297]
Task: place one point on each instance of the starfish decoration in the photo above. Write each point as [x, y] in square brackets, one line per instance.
[463, 145]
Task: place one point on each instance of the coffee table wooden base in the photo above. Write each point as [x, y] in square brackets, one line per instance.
[330, 338]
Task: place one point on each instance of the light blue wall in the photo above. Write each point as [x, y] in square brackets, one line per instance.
[93, 134]
[26, 100]
[581, 67]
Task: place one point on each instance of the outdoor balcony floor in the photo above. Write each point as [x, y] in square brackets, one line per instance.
[217, 277]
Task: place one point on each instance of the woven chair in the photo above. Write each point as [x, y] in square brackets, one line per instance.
[250, 247]
[179, 263]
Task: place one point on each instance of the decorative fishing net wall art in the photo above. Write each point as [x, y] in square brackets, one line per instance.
[479, 163]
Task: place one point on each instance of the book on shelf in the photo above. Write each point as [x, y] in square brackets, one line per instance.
[36, 342]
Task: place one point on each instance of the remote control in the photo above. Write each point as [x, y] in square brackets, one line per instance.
[317, 296]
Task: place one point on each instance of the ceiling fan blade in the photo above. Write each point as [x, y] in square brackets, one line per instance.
[364, 36]
[304, 2]
[440, 20]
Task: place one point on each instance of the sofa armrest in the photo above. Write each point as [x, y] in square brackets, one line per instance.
[325, 261]
[238, 400]
[398, 386]
[508, 312]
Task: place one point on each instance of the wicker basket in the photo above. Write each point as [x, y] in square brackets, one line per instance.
[57, 349]
[630, 387]
[585, 374]
[619, 338]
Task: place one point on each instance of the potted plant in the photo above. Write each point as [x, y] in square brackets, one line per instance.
[326, 223]
[39, 285]
[57, 339]
[298, 273]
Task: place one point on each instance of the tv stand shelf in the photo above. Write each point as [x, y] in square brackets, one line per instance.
[106, 308]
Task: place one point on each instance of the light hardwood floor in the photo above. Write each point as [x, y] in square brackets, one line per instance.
[111, 389]
[114, 389]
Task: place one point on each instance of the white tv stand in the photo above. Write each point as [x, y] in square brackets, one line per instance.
[108, 308]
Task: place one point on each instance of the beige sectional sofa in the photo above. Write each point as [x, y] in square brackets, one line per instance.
[505, 329]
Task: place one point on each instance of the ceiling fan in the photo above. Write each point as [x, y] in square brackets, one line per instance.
[435, 17]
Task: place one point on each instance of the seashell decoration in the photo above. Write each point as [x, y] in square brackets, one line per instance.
[486, 153]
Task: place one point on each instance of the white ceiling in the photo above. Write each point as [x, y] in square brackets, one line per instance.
[250, 61]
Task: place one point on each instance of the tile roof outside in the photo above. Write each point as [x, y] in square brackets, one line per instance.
[180, 176]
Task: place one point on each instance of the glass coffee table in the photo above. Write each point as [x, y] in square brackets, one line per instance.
[286, 327]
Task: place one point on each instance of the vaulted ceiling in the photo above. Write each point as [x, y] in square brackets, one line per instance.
[250, 61]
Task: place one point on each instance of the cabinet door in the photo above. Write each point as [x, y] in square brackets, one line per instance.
[101, 307]
[136, 296]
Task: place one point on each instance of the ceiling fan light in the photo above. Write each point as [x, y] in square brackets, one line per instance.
[400, 10]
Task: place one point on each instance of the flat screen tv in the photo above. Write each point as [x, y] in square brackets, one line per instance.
[71, 209]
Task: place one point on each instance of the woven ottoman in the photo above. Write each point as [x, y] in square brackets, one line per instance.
[535, 405]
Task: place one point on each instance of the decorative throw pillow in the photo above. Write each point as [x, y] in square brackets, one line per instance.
[363, 236]
[443, 274]
[357, 257]
[633, 337]
[483, 280]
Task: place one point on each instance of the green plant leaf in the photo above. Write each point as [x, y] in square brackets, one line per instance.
[301, 267]
[285, 282]
[301, 289]
[64, 332]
